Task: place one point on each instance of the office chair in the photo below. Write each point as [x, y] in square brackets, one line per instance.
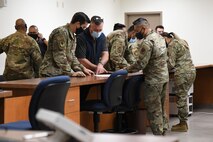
[49, 94]
[130, 100]
[111, 97]
[2, 78]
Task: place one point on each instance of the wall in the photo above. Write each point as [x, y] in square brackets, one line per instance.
[190, 19]
[49, 14]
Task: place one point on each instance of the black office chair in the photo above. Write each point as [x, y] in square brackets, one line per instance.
[130, 100]
[49, 94]
[2, 78]
[111, 97]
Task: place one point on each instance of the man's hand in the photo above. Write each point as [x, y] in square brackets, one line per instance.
[100, 69]
[87, 71]
[78, 74]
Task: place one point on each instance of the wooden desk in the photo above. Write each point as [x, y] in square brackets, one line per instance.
[5, 94]
[203, 86]
[16, 107]
[101, 137]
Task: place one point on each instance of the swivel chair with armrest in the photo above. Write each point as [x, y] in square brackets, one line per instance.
[49, 94]
[111, 97]
[130, 100]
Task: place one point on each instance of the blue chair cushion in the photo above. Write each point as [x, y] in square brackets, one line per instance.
[19, 125]
[94, 105]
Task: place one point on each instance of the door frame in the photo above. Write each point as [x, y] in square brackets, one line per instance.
[127, 14]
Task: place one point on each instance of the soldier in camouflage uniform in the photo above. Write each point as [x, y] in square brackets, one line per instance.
[119, 57]
[133, 47]
[184, 75]
[23, 55]
[153, 61]
[60, 56]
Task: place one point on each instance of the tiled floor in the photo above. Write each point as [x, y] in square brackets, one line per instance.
[200, 127]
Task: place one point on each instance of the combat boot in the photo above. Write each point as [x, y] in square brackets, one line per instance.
[181, 127]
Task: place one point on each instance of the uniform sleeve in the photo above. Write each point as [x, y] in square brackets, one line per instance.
[80, 51]
[36, 57]
[145, 50]
[128, 55]
[3, 45]
[171, 57]
[117, 52]
[75, 64]
[60, 53]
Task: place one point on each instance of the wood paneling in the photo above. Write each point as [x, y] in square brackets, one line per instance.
[106, 121]
[203, 86]
[75, 116]
[72, 103]
[16, 108]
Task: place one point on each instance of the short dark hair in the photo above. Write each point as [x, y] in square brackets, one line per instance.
[118, 26]
[140, 21]
[168, 35]
[80, 17]
[131, 28]
[33, 26]
[97, 20]
[159, 26]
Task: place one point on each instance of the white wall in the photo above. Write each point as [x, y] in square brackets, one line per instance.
[190, 19]
[49, 14]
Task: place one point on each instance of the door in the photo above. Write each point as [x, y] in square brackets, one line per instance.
[154, 18]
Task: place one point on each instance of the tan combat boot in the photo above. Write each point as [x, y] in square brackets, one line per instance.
[181, 127]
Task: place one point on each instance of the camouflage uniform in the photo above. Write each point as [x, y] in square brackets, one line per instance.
[180, 61]
[23, 56]
[59, 58]
[133, 50]
[117, 44]
[153, 61]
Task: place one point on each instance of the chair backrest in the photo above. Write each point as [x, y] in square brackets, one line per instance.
[132, 91]
[112, 91]
[49, 94]
[2, 78]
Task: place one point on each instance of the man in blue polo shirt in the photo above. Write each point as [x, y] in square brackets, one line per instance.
[91, 48]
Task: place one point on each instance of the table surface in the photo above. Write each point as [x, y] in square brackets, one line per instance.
[75, 81]
[201, 66]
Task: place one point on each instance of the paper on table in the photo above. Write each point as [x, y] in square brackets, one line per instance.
[102, 75]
